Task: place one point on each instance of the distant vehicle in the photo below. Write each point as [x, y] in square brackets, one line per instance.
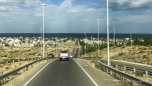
[71, 56]
[64, 55]
[51, 55]
[39, 56]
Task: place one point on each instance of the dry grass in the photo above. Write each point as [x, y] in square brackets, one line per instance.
[8, 53]
[138, 54]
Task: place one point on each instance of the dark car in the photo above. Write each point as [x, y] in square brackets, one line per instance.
[39, 56]
[50, 55]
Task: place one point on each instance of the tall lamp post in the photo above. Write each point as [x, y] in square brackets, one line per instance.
[131, 38]
[41, 40]
[85, 43]
[43, 27]
[108, 32]
[98, 37]
[114, 35]
[56, 45]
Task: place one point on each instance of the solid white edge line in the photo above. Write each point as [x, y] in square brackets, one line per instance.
[87, 75]
[37, 73]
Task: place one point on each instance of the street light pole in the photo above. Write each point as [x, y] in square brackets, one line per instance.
[108, 31]
[98, 37]
[43, 27]
[56, 45]
[41, 40]
[131, 38]
[85, 43]
[114, 36]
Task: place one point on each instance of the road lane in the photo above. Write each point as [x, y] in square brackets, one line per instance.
[61, 73]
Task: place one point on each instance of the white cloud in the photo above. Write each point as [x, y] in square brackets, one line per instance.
[38, 14]
[72, 11]
[2, 8]
[9, 20]
[5, 8]
[67, 17]
[4, 15]
[61, 17]
[131, 3]
[31, 22]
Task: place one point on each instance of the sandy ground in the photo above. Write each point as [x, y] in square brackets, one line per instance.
[8, 53]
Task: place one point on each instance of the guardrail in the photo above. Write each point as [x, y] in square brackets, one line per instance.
[5, 75]
[146, 69]
[124, 75]
[17, 60]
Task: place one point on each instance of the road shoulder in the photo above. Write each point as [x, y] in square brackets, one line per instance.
[97, 75]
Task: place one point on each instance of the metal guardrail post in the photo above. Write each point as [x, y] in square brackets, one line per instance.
[13, 62]
[24, 69]
[4, 79]
[110, 72]
[134, 69]
[123, 78]
[6, 63]
[116, 66]
[146, 73]
[124, 68]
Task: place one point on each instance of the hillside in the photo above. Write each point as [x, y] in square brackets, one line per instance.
[139, 54]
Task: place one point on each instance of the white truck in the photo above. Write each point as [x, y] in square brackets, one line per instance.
[64, 55]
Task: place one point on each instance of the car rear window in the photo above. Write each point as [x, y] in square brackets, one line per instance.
[64, 51]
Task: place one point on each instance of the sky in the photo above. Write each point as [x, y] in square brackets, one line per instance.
[75, 16]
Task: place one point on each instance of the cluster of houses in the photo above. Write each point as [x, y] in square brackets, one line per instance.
[38, 41]
[104, 41]
[29, 42]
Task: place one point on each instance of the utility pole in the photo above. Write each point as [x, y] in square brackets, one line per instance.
[108, 32]
[114, 36]
[43, 27]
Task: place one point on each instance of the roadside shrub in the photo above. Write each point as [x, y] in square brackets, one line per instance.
[145, 56]
[123, 46]
[120, 68]
[141, 51]
[139, 73]
[97, 66]
[126, 84]
[121, 54]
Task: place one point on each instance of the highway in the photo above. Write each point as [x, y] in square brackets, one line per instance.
[75, 72]
[61, 73]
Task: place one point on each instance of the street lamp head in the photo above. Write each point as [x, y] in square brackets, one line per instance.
[43, 4]
[97, 19]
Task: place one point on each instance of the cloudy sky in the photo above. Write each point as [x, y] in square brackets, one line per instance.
[75, 16]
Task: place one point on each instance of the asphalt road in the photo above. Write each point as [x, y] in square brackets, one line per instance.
[61, 73]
